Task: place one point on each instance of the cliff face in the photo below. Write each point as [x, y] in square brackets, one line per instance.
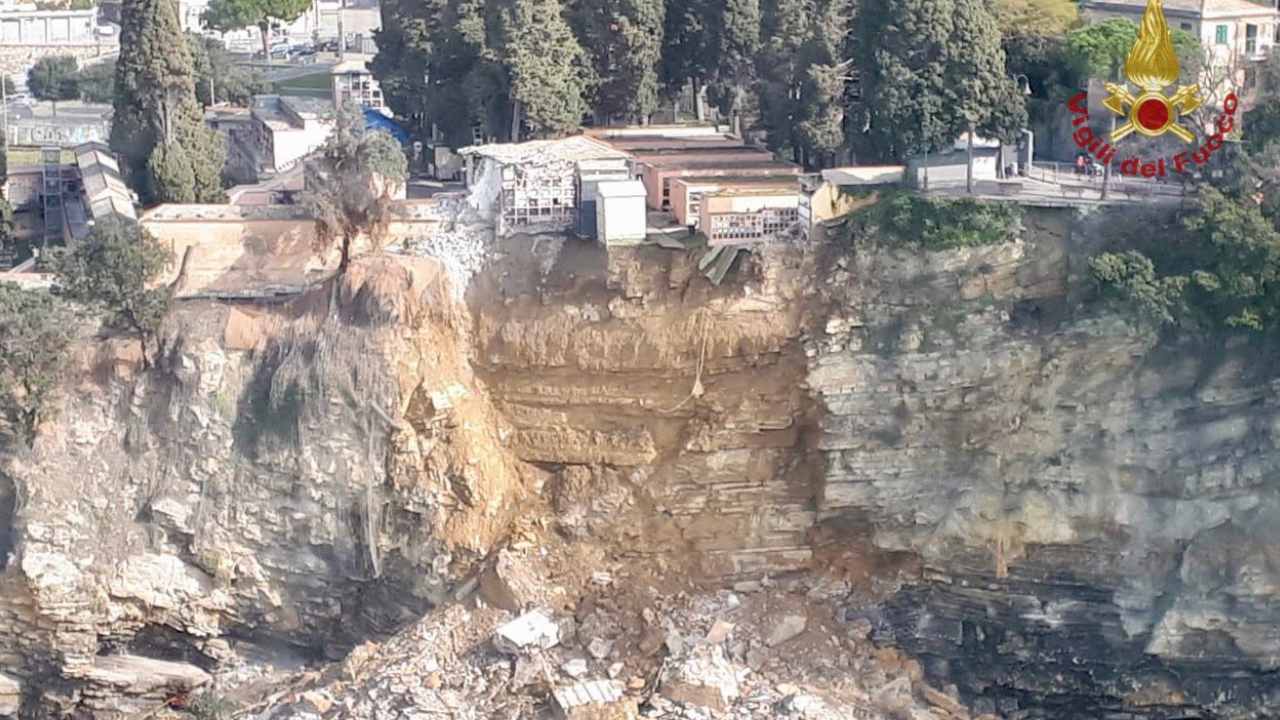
[1076, 518]
[1057, 513]
[1093, 512]
[284, 476]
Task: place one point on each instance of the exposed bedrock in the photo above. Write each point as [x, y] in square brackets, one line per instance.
[1095, 513]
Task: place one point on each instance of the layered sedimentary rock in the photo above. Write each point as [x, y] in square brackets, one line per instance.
[1093, 511]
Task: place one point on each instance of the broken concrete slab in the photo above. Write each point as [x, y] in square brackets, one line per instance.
[594, 700]
[705, 678]
[575, 668]
[787, 628]
[600, 648]
[535, 630]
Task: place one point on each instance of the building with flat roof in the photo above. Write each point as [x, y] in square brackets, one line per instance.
[281, 131]
[353, 81]
[836, 192]
[533, 186]
[658, 172]
[744, 216]
[687, 192]
[1237, 35]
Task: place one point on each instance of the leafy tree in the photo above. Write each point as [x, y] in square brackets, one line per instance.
[624, 38]
[930, 69]
[155, 104]
[214, 71]
[227, 15]
[351, 181]
[1103, 48]
[97, 82]
[547, 67]
[54, 78]
[113, 269]
[1046, 18]
[1220, 270]
[36, 330]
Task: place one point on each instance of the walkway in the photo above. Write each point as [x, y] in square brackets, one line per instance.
[1046, 188]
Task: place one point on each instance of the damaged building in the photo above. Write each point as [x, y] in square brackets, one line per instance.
[542, 185]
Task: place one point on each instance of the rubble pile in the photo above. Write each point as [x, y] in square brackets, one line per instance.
[622, 646]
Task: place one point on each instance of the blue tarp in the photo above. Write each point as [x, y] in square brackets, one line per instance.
[374, 120]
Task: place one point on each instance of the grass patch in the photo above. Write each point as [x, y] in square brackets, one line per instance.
[314, 84]
[903, 218]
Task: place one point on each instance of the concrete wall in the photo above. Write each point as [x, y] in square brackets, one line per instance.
[831, 201]
[292, 145]
[47, 27]
[621, 219]
[657, 177]
[256, 250]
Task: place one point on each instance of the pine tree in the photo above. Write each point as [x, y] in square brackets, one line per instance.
[624, 38]
[547, 67]
[155, 103]
[226, 15]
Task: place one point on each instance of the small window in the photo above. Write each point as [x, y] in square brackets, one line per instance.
[1186, 26]
[1222, 35]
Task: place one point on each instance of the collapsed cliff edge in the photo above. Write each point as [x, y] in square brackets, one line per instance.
[854, 479]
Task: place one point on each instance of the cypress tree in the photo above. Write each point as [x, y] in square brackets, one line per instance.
[155, 103]
[737, 40]
[930, 69]
[547, 67]
[624, 38]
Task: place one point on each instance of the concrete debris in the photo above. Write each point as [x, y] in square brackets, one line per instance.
[594, 700]
[719, 632]
[601, 579]
[320, 701]
[787, 628]
[705, 679]
[615, 670]
[600, 648]
[10, 695]
[533, 630]
[509, 583]
[575, 668]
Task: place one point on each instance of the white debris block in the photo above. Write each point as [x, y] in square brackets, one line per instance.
[575, 668]
[10, 696]
[705, 678]
[786, 628]
[594, 700]
[532, 630]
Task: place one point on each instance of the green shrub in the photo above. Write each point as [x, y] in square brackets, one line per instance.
[208, 706]
[1219, 269]
[905, 218]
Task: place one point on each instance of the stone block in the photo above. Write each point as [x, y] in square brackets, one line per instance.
[532, 631]
[593, 700]
[10, 696]
[509, 583]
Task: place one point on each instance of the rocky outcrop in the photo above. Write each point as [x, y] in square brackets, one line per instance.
[1091, 509]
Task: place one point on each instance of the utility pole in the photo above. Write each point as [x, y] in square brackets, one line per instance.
[968, 176]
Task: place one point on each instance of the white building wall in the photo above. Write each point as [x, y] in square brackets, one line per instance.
[621, 219]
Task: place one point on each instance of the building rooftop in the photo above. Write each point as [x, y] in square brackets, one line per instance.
[352, 63]
[763, 181]
[540, 152]
[622, 189]
[1197, 8]
[864, 174]
[280, 112]
[655, 143]
[104, 187]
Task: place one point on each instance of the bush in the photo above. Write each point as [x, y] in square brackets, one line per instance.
[35, 332]
[905, 218]
[1219, 270]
